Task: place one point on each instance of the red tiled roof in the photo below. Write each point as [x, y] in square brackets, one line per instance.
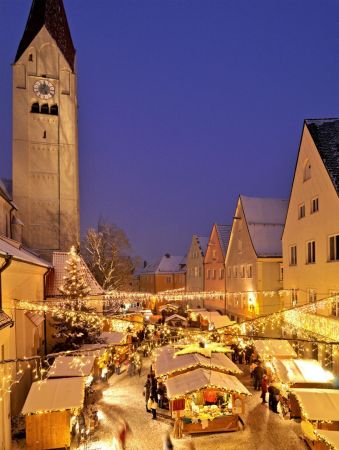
[56, 276]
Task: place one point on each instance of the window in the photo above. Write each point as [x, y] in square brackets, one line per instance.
[294, 297]
[44, 135]
[307, 170]
[229, 272]
[35, 108]
[214, 254]
[293, 255]
[249, 271]
[281, 272]
[301, 211]
[334, 248]
[195, 271]
[242, 271]
[314, 205]
[221, 274]
[30, 57]
[209, 274]
[54, 110]
[235, 271]
[199, 271]
[312, 295]
[310, 252]
[168, 280]
[44, 109]
[214, 274]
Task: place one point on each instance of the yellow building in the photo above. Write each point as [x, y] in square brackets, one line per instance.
[254, 258]
[311, 234]
[163, 274]
[22, 276]
[45, 137]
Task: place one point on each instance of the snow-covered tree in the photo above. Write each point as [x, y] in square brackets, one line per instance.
[75, 322]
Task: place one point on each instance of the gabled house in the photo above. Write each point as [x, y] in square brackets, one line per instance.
[165, 273]
[254, 258]
[195, 263]
[214, 265]
[311, 234]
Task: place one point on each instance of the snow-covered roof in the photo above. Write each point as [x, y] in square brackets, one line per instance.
[71, 366]
[165, 264]
[274, 348]
[175, 316]
[325, 135]
[301, 371]
[265, 218]
[17, 251]
[113, 337]
[197, 379]
[318, 404]
[168, 363]
[217, 319]
[224, 233]
[329, 437]
[55, 278]
[55, 395]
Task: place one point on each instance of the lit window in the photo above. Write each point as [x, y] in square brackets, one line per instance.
[314, 205]
[310, 252]
[334, 248]
[301, 211]
[293, 255]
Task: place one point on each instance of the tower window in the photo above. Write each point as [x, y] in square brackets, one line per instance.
[35, 108]
[307, 170]
[54, 110]
[30, 57]
[44, 135]
[44, 109]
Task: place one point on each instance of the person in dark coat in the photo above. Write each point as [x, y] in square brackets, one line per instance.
[273, 400]
[147, 391]
[154, 386]
[258, 373]
[264, 388]
[248, 354]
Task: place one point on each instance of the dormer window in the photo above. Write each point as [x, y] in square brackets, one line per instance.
[307, 170]
[30, 57]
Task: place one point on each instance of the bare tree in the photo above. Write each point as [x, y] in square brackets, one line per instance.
[107, 252]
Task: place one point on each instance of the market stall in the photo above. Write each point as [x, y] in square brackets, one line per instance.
[51, 409]
[266, 349]
[318, 406]
[73, 366]
[168, 364]
[206, 401]
[300, 373]
[213, 320]
[175, 320]
[326, 440]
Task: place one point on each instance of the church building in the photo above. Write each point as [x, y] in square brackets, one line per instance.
[45, 137]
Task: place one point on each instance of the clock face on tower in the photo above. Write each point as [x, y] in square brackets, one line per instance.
[44, 89]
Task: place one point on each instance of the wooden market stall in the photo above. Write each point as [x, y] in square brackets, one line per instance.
[206, 401]
[50, 409]
[168, 364]
[318, 406]
[72, 366]
[266, 349]
[326, 439]
[214, 320]
[175, 320]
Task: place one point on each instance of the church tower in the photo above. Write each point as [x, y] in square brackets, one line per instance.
[45, 138]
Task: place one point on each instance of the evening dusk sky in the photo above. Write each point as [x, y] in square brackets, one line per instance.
[185, 104]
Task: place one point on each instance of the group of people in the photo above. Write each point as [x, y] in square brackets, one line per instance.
[264, 381]
[154, 393]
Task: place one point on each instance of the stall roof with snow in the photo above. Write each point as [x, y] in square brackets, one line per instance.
[198, 379]
[318, 404]
[71, 366]
[176, 317]
[274, 348]
[331, 438]
[217, 319]
[167, 363]
[294, 371]
[54, 395]
[113, 337]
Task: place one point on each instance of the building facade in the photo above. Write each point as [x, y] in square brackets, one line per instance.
[311, 234]
[195, 264]
[163, 274]
[214, 266]
[254, 258]
[45, 137]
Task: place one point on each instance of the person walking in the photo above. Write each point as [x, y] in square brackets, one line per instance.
[258, 373]
[123, 431]
[147, 391]
[264, 388]
[154, 406]
[161, 394]
[275, 398]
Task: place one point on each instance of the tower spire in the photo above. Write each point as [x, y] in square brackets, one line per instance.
[52, 15]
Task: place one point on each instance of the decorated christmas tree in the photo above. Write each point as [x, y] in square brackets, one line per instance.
[75, 322]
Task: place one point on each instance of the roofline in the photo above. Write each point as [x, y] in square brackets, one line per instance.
[248, 230]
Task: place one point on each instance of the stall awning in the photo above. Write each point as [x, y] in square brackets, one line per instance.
[329, 437]
[167, 363]
[189, 382]
[217, 319]
[274, 348]
[5, 321]
[114, 337]
[54, 395]
[293, 371]
[318, 404]
[71, 366]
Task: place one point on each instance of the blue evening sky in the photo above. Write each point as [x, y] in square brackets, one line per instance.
[184, 104]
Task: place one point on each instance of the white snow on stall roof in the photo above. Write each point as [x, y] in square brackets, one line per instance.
[274, 348]
[328, 436]
[301, 371]
[318, 404]
[197, 379]
[71, 366]
[55, 395]
[265, 218]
